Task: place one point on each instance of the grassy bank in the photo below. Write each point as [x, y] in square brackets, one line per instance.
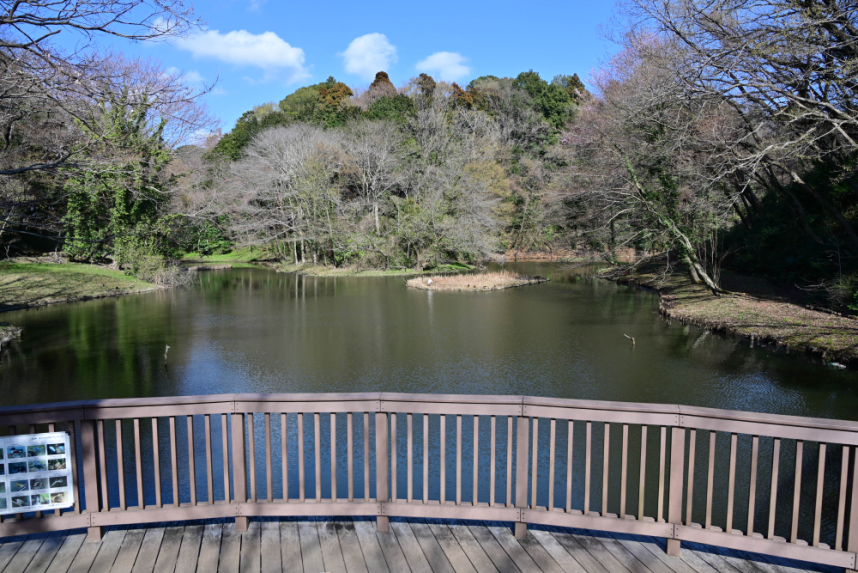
[323, 271]
[244, 255]
[35, 284]
[753, 308]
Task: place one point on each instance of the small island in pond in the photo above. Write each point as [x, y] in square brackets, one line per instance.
[478, 282]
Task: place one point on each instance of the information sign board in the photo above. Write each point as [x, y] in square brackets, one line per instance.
[35, 472]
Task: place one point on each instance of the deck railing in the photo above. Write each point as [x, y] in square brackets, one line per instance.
[762, 483]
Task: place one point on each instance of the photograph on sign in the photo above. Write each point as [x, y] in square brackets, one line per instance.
[35, 473]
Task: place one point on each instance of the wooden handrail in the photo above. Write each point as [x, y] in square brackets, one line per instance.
[547, 461]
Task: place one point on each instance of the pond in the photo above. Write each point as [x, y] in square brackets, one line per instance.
[254, 330]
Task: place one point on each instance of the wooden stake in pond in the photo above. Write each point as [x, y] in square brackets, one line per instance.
[166, 350]
[630, 338]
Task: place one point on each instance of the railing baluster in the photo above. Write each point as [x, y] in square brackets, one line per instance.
[474, 493]
[73, 447]
[692, 450]
[661, 463]
[350, 454]
[796, 495]
[624, 471]
[302, 492]
[284, 456]
[552, 435]
[192, 466]
[366, 456]
[156, 463]
[731, 483]
[120, 467]
[587, 447]
[209, 477]
[393, 455]
[752, 490]
[605, 459]
[138, 462]
[102, 463]
[773, 496]
[492, 446]
[642, 482]
[534, 465]
[174, 462]
[425, 458]
[269, 471]
[570, 433]
[251, 440]
[51, 429]
[841, 501]
[852, 542]
[443, 477]
[409, 452]
[224, 426]
[317, 447]
[820, 476]
[509, 461]
[710, 480]
[459, 459]
[334, 457]
[522, 427]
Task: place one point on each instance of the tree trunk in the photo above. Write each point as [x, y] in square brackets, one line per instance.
[377, 226]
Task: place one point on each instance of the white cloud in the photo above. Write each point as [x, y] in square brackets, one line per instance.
[191, 77]
[368, 55]
[267, 51]
[447, 66]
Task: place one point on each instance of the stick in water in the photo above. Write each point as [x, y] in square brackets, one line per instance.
[166, 350]
[626, 335]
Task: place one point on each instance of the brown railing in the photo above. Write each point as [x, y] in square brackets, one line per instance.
[756, 482]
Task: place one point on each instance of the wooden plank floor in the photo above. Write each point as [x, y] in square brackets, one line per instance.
[347, 546]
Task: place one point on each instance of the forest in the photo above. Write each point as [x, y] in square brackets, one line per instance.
[725, 137]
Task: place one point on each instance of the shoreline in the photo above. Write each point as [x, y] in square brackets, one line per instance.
[310, 270]
[31, 284]
[753, 309]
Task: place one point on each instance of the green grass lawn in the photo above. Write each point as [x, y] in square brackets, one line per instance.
[245, 255]
[24, 284]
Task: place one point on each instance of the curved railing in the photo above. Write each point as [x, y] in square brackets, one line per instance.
[757, 482]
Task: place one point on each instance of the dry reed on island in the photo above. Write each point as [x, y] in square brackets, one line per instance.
[477, 282]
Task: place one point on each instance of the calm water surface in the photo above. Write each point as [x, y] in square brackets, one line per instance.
[253, 330]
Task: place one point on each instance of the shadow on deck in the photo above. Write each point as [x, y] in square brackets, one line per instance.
[352, 545]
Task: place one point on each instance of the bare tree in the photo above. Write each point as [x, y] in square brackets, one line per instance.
[786, 70]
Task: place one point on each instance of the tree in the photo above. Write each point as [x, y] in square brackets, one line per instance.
[37, 78]
[792, 84]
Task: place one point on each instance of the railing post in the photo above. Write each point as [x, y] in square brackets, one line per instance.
[677, 471]
[89, 454]
[239, 468]
[381, 453]
[521, 473]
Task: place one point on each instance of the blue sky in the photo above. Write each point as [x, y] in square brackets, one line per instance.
[262, 50]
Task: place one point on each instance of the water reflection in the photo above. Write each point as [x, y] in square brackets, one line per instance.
[253, 330]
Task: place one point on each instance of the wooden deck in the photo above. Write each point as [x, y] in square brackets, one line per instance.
[347, 546]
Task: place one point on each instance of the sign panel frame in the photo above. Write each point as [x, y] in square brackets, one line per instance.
[36, 473]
